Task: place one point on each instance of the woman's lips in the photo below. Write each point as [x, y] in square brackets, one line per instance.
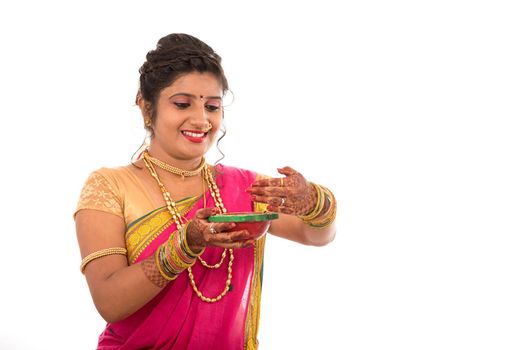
[194, 135]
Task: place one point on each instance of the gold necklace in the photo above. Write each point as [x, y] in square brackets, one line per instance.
[177, 171]
[213, 189]
[171, 206]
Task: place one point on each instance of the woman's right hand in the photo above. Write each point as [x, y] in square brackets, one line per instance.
[201, 233]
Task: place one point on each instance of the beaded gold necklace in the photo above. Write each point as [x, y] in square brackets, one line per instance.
[181, 172]
[177, 218]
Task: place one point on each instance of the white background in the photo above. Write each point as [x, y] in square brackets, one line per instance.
[410, 111]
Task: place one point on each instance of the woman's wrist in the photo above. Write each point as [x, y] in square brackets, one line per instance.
[312, 198]
[171, 258]
[195, 247]
[323, 210]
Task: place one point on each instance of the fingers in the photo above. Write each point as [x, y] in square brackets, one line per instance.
[277, 204]
[287, 171]
[230, 239]
[284, 194]
[283, 210]
[204, 213]
[276, 181]
[268, 191]
[274, 201]
[220, 227]
[236, 245]
[273, 182]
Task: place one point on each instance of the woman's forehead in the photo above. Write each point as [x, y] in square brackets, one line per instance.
[195, 84]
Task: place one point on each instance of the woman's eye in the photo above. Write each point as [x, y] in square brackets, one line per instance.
[213, 105]
[212, 108]
[182, 105]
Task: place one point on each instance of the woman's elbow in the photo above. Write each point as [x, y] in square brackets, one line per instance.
[319, 240]
[109, 308]
[109, 313]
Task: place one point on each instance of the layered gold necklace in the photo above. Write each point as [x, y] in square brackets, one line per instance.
[203, 168]
[181, 172]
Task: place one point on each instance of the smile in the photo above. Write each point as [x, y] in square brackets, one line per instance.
[194, 136]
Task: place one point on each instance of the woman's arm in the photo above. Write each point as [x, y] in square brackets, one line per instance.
[293, 228]
[118, 290]
[307, 211]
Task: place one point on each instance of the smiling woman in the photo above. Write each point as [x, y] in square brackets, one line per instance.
[197, 95]
[160, 272]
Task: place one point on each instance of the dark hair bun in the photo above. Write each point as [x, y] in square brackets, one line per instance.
[175, 55]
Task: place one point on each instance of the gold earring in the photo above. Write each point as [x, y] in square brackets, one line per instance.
[147, 122]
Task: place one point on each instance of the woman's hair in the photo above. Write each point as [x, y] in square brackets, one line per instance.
[174, 56]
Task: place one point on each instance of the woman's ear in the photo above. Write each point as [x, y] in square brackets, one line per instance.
[145, 107]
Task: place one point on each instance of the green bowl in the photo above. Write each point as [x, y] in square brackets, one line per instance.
[254, 222]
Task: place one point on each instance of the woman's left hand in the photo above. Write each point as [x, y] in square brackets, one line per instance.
[291, 194]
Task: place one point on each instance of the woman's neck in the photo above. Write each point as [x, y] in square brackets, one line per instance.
[184, 164]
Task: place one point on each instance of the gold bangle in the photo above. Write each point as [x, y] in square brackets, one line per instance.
[180, 264]
[159, 267]
[321, 217]
[101, 253]
[319, 206]
[328, 217]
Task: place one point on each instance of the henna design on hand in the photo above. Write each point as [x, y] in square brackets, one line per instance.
[200, 233]
[290, 195]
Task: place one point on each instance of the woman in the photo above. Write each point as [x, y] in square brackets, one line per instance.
[159, 272]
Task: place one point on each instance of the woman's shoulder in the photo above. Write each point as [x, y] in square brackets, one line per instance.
[117, 176]
[114, 171]
[103, 191]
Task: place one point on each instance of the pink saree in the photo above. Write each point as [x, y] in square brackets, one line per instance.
[176, 318]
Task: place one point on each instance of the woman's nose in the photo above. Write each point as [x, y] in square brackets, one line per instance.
[200, 115]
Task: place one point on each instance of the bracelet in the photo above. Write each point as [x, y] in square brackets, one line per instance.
[329, 216]
[177, 252]
[101, 253]
[171, 258]
[317, 209]
[322, 215]
[161, 265]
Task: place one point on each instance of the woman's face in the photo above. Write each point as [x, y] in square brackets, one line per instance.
[186, 110]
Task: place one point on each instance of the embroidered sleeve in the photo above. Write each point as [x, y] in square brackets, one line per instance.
[99, 195]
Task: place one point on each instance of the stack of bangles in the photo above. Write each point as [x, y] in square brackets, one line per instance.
[175, 256]
[325, 210]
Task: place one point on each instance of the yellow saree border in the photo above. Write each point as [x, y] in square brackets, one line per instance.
[144, 230]
[253, 313]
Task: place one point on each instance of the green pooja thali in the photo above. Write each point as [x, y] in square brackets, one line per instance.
[256, 223]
